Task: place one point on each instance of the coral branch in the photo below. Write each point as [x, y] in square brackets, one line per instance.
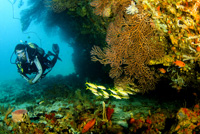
[100, 55]
[104, 112]
[6, 115]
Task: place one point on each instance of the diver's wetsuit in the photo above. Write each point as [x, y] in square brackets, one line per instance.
[35, 63]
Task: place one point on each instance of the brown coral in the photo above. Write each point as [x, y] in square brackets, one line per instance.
[6, 115]
[132, 43]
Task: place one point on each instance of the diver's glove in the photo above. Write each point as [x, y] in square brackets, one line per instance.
[30, 81]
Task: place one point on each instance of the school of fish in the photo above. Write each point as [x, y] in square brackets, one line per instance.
[116, 92]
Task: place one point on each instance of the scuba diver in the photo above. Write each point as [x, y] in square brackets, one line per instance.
[32, 59]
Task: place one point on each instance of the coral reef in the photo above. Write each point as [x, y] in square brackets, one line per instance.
[81, 112]
[179, 20]
[139, 42]
[131, 35]
[70, 121]
[188, 120]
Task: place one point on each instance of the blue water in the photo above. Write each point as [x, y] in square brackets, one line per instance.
[11, 34]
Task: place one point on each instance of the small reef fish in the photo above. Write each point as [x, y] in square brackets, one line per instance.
[91, 85]
[41, 102]
[134, 89]
[119, 88]
[105, 93]
[91, 89]
[122, 93]
[198, 48]
[106, 96]
[100, 94]
[132, 120]
[89, 125]
[95, 93]
[162, 70]
[126, 97]
[131, 93]
[179, 63]
[101, 87]
[116, 96]
[114, 92]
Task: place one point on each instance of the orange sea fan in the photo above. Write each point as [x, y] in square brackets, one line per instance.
[132, 43]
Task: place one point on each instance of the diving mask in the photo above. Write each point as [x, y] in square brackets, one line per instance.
[20, 54]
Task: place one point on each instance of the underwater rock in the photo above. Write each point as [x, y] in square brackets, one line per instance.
[43, 122]
[9, 128]
[58, 116]
[121, 123]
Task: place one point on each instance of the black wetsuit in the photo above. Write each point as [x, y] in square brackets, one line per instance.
[36, 62]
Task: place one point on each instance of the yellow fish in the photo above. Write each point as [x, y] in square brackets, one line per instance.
[100, 94]
[122, 93]
[119, 88]
[125, 97]
[95, 93]
[135, 90]
[129, 92]
[41, 102]
[106, 96]
[114, 92]
[116, 96]
[101, 87]
[91, 85]
[105, 93]
[91, 89]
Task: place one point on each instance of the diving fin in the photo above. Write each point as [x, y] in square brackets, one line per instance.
[55, 48]
[52, 54]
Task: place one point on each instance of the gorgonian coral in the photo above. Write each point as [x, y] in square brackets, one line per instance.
[132, 43]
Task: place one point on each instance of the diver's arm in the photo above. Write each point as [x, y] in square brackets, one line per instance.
[20, 71]
[39, 68]
[25, 76]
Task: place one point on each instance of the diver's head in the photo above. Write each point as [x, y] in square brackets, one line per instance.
[20, 52]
